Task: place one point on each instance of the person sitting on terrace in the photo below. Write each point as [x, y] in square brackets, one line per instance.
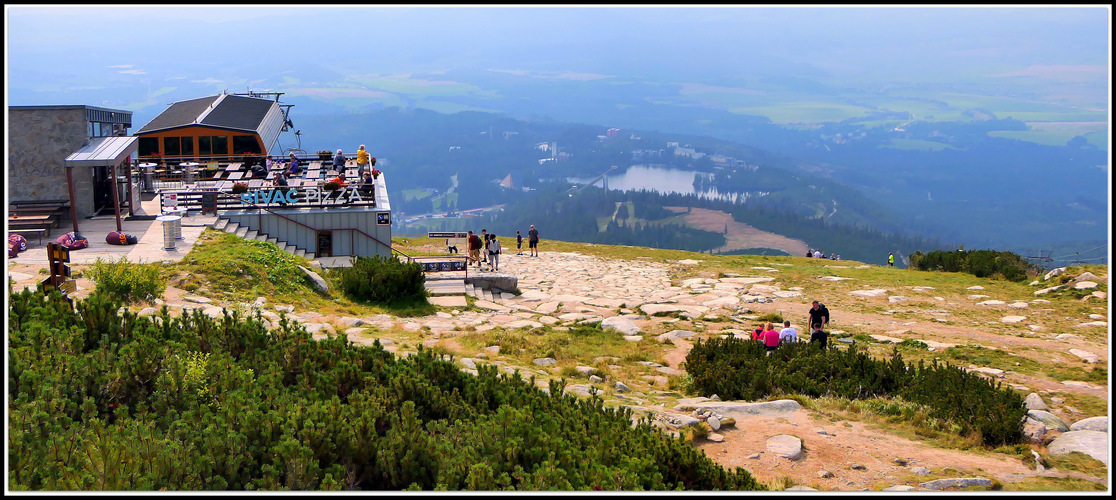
[367, 185]
[293, 169]
[340, 179]
[258, 171]
[280, 180]
[339, 161]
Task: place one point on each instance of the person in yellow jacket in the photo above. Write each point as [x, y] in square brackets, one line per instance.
[362, 160]
[890, 260]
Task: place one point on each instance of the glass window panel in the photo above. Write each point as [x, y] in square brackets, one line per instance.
[205, 145]
[245, 144]
[148, 145]
[221, 145]
[187, 145]
[170, 146]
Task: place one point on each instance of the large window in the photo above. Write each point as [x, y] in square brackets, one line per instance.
[213, 145]
[148, 145]
[171, 146]
[245, 144]
[187, 146]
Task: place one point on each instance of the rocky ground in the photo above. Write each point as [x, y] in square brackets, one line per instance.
[645, 302]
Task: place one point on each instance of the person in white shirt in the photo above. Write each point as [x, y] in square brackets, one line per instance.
[788, 334]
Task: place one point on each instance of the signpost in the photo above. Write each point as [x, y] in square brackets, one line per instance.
[57, 258]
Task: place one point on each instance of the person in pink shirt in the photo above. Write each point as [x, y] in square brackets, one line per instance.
[770, 337]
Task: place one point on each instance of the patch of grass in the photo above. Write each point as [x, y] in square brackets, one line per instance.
[899, 417]
[1077, 461]
[235, 269]
[1091, 406]
[1054, 484]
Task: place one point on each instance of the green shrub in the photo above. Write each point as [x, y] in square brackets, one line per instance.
[384, 280]
[105, 401]
[130, 282]
[741, 369]
[980, 263]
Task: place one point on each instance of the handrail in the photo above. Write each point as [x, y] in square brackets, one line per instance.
[268, 210]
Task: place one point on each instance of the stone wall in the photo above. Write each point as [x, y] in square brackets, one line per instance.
[39, 141]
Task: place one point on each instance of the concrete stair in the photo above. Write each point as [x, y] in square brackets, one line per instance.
[244, 232]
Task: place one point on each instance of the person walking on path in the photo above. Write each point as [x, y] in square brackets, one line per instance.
[770, 338]
[518, 243]
[819, 336]
[362, 160]
[819, 314]
[533, 241]
[474, 248]
[494, 253]
[890, 259]
[788, 334]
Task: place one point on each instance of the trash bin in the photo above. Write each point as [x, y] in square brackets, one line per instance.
[171, 224]
[148, 174]
[178, 212]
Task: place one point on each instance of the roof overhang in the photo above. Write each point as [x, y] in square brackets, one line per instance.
[103, 151]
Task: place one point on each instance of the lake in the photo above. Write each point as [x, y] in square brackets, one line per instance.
[660, 179]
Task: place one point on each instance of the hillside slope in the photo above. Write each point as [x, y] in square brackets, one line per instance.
[657, 303]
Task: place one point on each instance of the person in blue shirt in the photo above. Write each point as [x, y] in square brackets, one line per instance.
[293, 168]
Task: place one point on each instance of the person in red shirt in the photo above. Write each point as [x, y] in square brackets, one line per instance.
[757, 334]
[770, 337]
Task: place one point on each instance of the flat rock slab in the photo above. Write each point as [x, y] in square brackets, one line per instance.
[957, 482]
[884, 338]
[833, 278]
[448, 301]
[1085, 355]
[1093, 324]
[868, 293]
[675, 334]
[786, 446]
[1092, 443]
[1012, 319]
[1099, 424]
[738, 410]
[621, 324]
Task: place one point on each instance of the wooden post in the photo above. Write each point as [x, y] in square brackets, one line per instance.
[115, 197]
[128, 175]
[73, 202]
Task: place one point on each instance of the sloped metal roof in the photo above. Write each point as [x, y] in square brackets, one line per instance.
[224, 111]
[103, 151]
[179, 114]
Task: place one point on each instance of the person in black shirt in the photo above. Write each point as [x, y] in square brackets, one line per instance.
[819, 336]
[819, 314]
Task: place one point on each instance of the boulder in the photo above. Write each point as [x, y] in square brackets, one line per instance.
[786, 446]
[319, 284]
[1051, 420]
[1099, 424]
[1034, 430]
[1034, 402]
[1012, 319]
[545, 361]
[1092, 443]
[1082, 285]
[739, 411]
[1086, 276]
[1053, 273]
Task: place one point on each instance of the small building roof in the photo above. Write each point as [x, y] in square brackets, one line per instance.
[103, 151]
[224, 111]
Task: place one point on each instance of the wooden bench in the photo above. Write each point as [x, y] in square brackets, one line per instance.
[33, 203]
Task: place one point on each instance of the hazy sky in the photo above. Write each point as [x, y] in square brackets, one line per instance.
[159, 54]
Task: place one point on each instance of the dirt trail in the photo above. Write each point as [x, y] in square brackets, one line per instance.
[739, 236]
